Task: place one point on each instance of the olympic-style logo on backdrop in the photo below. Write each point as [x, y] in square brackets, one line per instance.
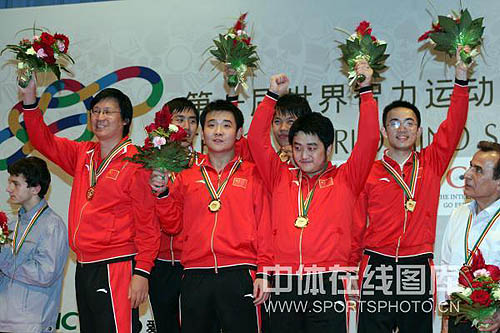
[80, 93]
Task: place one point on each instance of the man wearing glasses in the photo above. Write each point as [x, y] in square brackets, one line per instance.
[395, 217]
[110, 221]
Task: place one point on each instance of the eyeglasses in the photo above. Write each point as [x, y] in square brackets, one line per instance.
[104, 112]
[408, 123]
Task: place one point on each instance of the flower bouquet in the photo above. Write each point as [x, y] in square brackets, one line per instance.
[477, 296]
[162, 148]
[362, 45]
[235, 49]
[43, 53]
[4, 230]
[450, 32]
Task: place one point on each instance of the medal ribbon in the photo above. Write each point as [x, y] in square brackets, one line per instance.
[408, 190]
[211, 189]
[305, 204]
[94, 174]
[16, 246]
[468, 257]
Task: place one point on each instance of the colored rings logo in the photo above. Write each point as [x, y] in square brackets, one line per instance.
[80, 94]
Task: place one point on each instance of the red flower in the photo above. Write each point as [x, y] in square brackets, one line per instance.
[477, 284]
[47, 39]
[179, 135]
[64, 42]
[435, 28]
[240, 24]
[373, 39]
[48, 52]
[364, 28]
[477, 261]
[481, 297]
[3, 223]
[151, 127]
[147, 143]
[247, 40]
[465, 276]
[494, 272]
[163, 117]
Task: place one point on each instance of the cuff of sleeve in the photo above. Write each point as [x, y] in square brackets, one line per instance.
[232, 98]
[164, 194]
[264, 276]
[462, 83]
[272, 95]
[364, 90]
[143, 273]
[30, 106]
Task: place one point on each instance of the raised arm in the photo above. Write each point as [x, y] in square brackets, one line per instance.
[449, 132]
[61, 151]
[259, 137]
[359, 163]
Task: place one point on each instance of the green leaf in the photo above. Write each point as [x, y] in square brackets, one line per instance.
[442, 39]
[465, 20]
[448, 25]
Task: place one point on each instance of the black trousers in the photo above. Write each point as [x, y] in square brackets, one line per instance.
[210, 299]
[311, 303]
[396, 294]
[164, 293]
[102, 298]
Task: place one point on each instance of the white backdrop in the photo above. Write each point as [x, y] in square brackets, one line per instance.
[294, 37]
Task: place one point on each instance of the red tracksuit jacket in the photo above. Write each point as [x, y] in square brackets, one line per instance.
[383, 223]
[237, 235]
[118, 221]
[325, 242]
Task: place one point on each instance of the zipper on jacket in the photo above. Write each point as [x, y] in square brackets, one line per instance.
[213, 232]
[78, 226]
[404, 232]
[172, 250]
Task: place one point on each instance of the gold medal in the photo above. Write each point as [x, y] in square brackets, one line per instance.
[90, 193]
[301, 222]
[410, 205]
[214, 206]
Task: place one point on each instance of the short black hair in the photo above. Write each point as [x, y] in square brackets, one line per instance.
[222, 105]
[401, 104]
[34, 170]
[124, 103]
[180, 104]
[313, 123]
[292, 104]
[487, 146]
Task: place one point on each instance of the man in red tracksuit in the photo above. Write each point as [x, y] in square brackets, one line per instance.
[396, 218]
[111, 222]
[168, 270]
[311, 207]
[222, 209]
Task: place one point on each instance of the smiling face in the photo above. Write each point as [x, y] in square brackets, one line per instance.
[479, 182]
[281, 126]
[309, 152]
[187, 120]
[220, 131]
[106, 120]
[401, 129]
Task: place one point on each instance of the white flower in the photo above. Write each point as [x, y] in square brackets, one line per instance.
[458, 289]
[60, 45]
[159, 141]
[352, 37]
[173, 128]
[229, 35]
[481, 272]
[467, 292]
[240, 32]
[31, 51]
[41, 53]
[20, 65]
[496, 294]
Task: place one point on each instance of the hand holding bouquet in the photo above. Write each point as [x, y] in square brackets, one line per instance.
[454, 31]
[363, 46]
[43, 53]
[235, 49]
[477, 297]
[162, 148]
